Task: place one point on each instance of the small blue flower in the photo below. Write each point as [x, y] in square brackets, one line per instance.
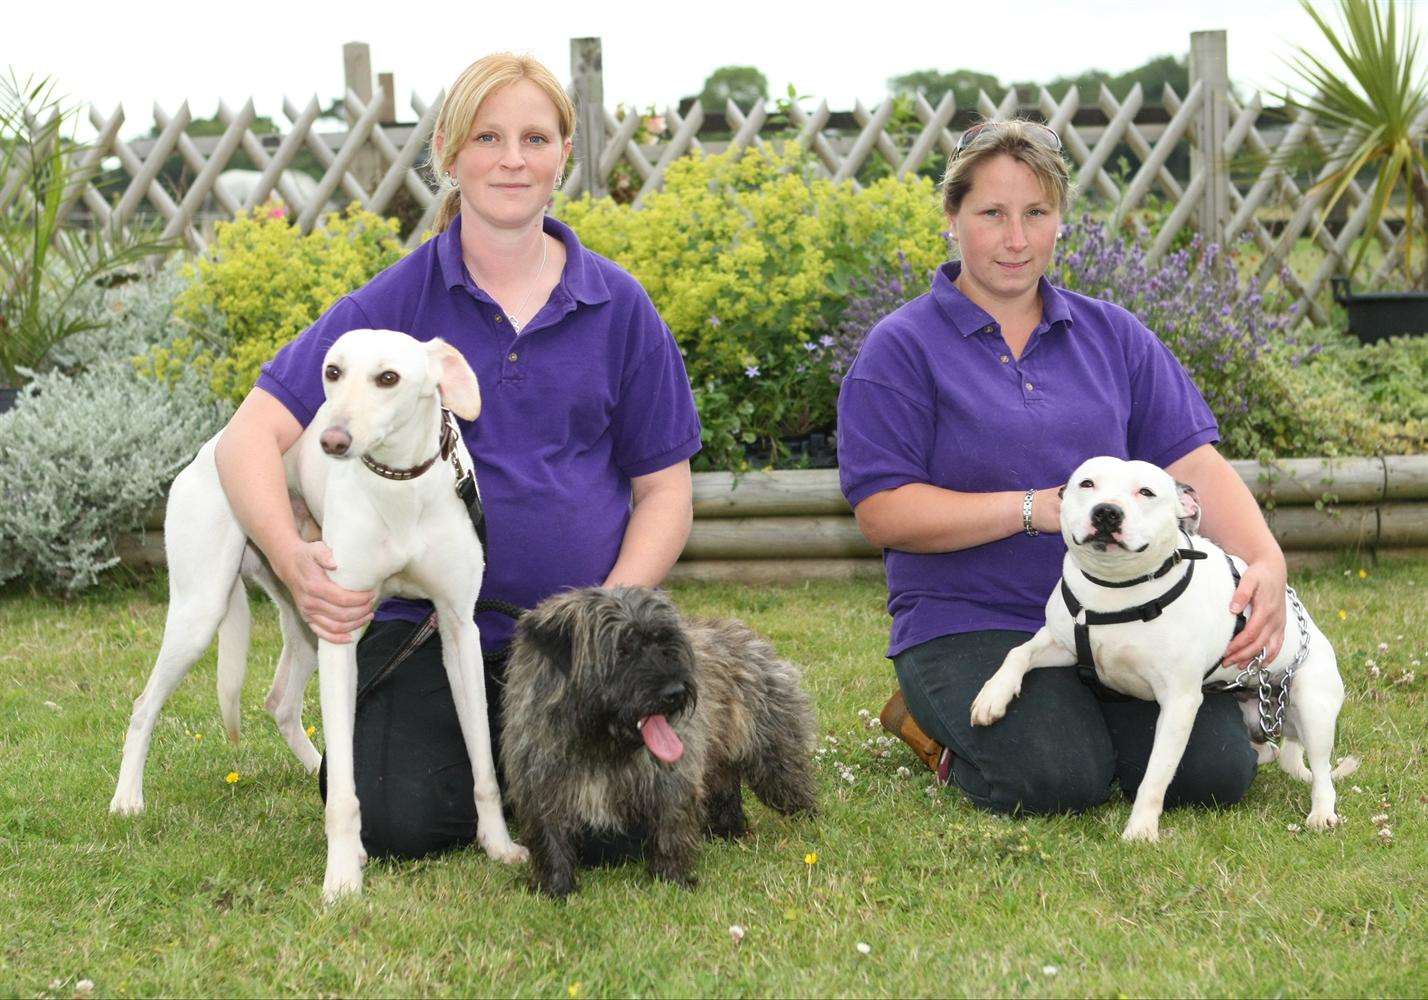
[752, 371]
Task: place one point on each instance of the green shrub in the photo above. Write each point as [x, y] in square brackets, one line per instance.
[751, 260]
[263, 282]
[83, 458]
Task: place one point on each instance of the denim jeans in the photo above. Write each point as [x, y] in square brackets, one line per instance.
[1061, 745]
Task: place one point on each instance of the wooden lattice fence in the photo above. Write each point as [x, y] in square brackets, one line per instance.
[376, 160]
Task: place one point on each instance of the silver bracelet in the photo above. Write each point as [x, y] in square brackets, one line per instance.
[1026, 513]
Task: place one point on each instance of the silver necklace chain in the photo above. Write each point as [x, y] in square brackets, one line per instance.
[535, 280]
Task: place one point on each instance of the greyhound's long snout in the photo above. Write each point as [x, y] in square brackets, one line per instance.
[335, 441]
[1106, 517]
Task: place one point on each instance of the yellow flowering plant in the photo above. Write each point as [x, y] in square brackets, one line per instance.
[264, 281]
[751, 259]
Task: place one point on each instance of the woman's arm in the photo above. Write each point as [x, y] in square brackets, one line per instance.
[250, 467]
[922, 518]
[1233, 520]
[659, 526]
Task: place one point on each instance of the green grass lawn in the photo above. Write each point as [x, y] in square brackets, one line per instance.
[215, 889]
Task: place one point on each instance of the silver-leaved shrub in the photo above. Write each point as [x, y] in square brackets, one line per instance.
[83, 458]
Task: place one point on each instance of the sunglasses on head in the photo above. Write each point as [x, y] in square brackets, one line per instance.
[1035, 132]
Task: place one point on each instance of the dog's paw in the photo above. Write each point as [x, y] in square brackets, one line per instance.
[343, 878]
[992, 701]
[1322, 819]
[506, 851]
[125, 804]
[1142, 829]
[556, 886]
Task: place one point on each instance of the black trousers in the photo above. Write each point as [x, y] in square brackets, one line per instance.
[1061, 746]
[414, 780]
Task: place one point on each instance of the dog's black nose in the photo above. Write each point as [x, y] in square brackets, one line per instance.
[672, 695]
[1106, 517]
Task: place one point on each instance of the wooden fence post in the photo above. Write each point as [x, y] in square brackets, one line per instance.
[357, 76]
[1209, 65]
[588, 83]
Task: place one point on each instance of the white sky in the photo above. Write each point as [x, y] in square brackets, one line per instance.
[158, 50]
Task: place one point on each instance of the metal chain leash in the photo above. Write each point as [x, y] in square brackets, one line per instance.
[1271, 708]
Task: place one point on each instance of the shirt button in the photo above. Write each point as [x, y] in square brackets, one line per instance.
[1028, 387]
[513, 356]
[498, 318]
[987, 329]
[1006, 359]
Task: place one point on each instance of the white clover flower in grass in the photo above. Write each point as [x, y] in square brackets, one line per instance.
[1049, 970]
[1385, 834]
[1294, 828]
[1378, 818]
[864, 948]
[903, 772]
[84, 986]
[736, 933]
[863, 713]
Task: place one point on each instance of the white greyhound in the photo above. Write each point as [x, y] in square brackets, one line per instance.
[375, 469]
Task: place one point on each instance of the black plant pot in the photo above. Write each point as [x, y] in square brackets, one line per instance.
[1380, 315]
[8, 398]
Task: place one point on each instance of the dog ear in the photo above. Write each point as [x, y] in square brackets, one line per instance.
[454, 378]
[1187, 508]
[551, 632]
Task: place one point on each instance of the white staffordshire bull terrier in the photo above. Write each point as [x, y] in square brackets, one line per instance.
[1133, 604]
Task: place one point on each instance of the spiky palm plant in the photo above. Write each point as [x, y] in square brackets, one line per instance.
[1377, 100]
[46, 264]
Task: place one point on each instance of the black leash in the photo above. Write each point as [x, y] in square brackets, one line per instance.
[421, 634]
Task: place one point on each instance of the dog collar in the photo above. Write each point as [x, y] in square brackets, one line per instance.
[446, 441]
[1176, 558]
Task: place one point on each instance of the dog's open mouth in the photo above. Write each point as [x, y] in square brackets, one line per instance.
[660, 738]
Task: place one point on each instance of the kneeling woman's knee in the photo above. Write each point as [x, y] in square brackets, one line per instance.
[1046, 786]
[1221, 779]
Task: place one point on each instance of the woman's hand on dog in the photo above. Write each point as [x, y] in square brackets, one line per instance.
[332, 612]
[1261, 589]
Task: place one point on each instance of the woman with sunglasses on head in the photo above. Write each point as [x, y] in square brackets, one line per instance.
[964, 412]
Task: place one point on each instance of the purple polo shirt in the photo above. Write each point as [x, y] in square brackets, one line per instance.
[935, 396]
[591, 393]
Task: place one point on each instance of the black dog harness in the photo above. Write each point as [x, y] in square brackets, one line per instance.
[1083, 619]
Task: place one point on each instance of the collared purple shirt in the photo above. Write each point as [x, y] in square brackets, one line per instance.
[936, 396]
[592, 392]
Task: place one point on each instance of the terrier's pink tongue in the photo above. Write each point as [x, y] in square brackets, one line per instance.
[663, 742]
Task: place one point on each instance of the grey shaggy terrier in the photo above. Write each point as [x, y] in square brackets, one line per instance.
[619, 716]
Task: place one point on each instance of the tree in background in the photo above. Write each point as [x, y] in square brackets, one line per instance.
[964, 83]
[744, 85]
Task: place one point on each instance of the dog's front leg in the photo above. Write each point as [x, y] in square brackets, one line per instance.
[553, 858]
[675, 834]
[337, 681]
[1041, 650]
[461, 655]
[1172, 733]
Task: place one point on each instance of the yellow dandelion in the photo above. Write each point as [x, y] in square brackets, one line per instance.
[232, 778]
[198, 737]
[1343, 615]
[1363, 574]
[312, 730]
[574, 989]
[811, 858]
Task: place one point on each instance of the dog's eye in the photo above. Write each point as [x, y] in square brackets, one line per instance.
[1086, 484]
[1146, 491]
[332, 373]
[388, 379]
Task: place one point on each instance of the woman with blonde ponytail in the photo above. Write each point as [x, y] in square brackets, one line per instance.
[582, 447]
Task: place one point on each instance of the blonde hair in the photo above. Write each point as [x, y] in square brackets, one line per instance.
[1012, 138]
[463, 101]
